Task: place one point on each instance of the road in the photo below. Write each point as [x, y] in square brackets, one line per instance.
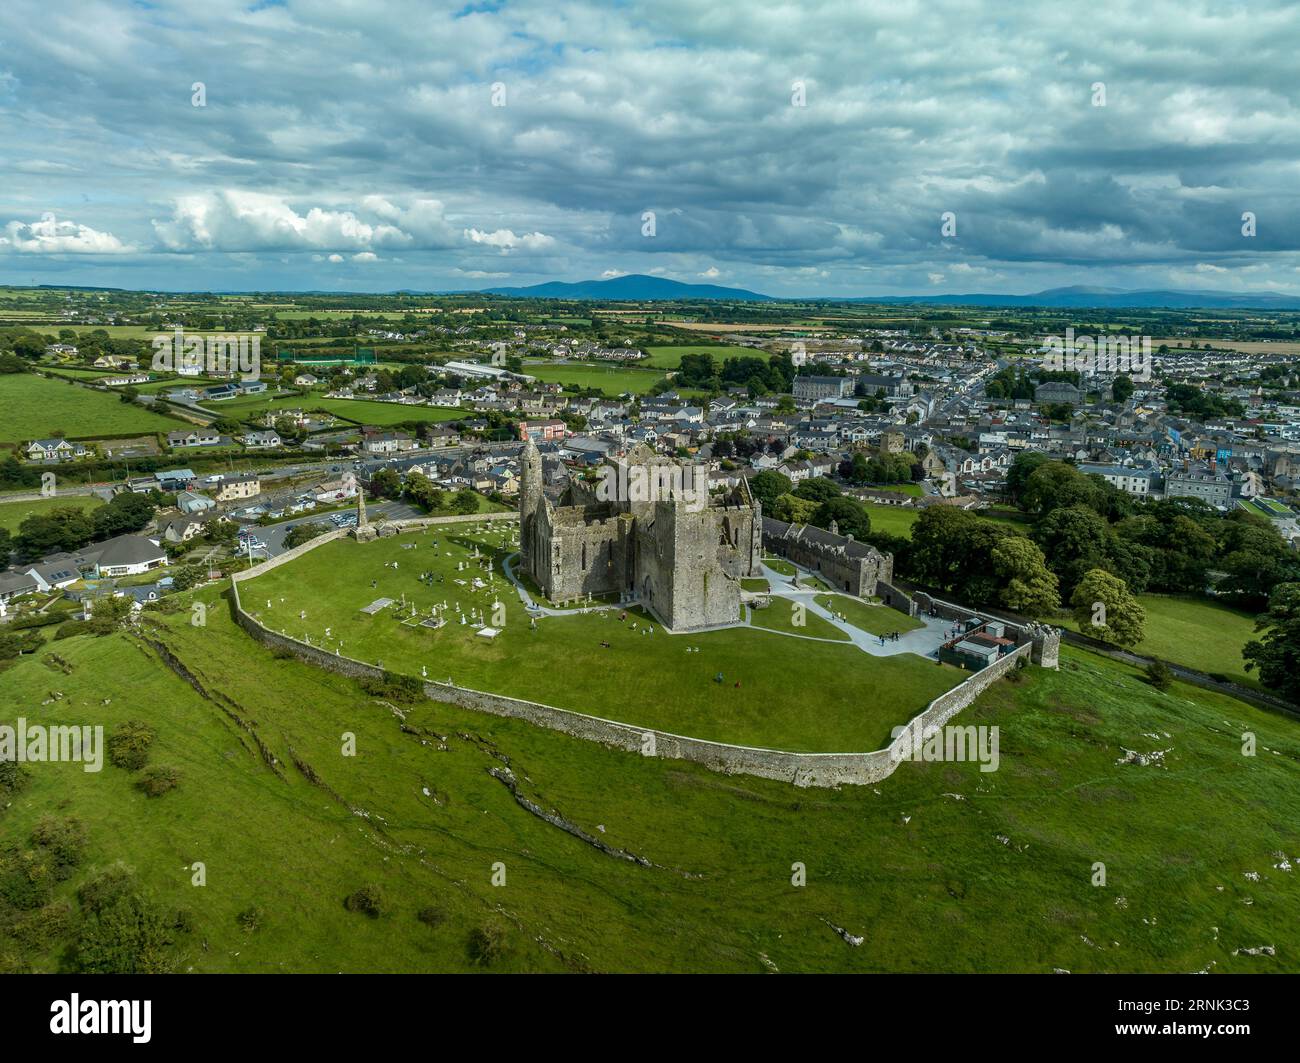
[273, 534]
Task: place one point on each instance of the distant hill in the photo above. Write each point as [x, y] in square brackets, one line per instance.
[1105, 298]
[635, 286]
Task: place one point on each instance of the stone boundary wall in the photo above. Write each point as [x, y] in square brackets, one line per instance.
[416, 523]
[800, 769]
[896, 598]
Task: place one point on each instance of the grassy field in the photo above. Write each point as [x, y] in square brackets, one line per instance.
[358, 411]
[612, 380]
[781, 615]
[939, 868]
[893, 520]
[35, 407]
[13, 514]
[671, 357]
[646, 680]
[873, 619]
[1196, 633]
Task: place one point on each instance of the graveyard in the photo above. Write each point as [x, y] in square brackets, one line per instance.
[438, 604]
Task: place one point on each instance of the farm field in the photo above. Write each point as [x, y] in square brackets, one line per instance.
[35, 407]
[13, 514]
[417, 815]
[671, 357]
[358, 411]
[854, 710]
[1196, 633]
[612, 380]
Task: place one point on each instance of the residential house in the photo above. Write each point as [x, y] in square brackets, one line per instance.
[236, 486]
[52, 450]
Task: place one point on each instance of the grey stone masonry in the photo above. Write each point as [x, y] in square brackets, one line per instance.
[646, 529]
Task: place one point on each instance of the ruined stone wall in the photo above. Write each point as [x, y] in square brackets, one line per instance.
[853, 575]
[894, 597]
[588, 557]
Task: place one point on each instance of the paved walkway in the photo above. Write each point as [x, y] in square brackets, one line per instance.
[924, 641]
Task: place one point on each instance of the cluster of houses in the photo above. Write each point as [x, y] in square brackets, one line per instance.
[124, 555]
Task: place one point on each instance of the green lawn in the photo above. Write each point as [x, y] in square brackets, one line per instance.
[782, 615]
[13, 514]
[779, 565]
[873, 619]
[893, 520]
[612, 380]
[1197, 633]
[36, 407]
[998, 880]
[760, 585]
[670, 357]
[358, 411]
[646, 680]
[898, 520]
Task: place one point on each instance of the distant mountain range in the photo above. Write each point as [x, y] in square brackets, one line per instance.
[634, 286]
[1105, 298]
[638, 287]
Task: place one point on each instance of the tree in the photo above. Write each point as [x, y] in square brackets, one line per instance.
[794, 510]
[1121, 389]
[386, 483]
[465, 501]
[768, 486]
[1159, 675]
[304, 533]
[1028, 585]
[1075, 539]
[1277, 654]
[1104, 609]
[818, 489]
[848, 516]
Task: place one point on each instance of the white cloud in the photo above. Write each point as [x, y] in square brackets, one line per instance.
[49, 236]
[234, 220]
[711, 272]
[508, 241]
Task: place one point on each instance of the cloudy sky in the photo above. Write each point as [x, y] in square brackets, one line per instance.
[794, 148]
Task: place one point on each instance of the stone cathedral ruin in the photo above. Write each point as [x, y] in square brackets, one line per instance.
[647, 529]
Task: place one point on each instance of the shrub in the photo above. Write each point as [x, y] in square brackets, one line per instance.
[1159, 675]
[431, 916]
[106, 887]
[73, 628]
[64, 839]
[251, 918]
[42, 928]
[13, 777]
[157, 780]
[394, 687]
[368, 900]
[26, 879]
[128, 745]
[128, 935]
[487, 944]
